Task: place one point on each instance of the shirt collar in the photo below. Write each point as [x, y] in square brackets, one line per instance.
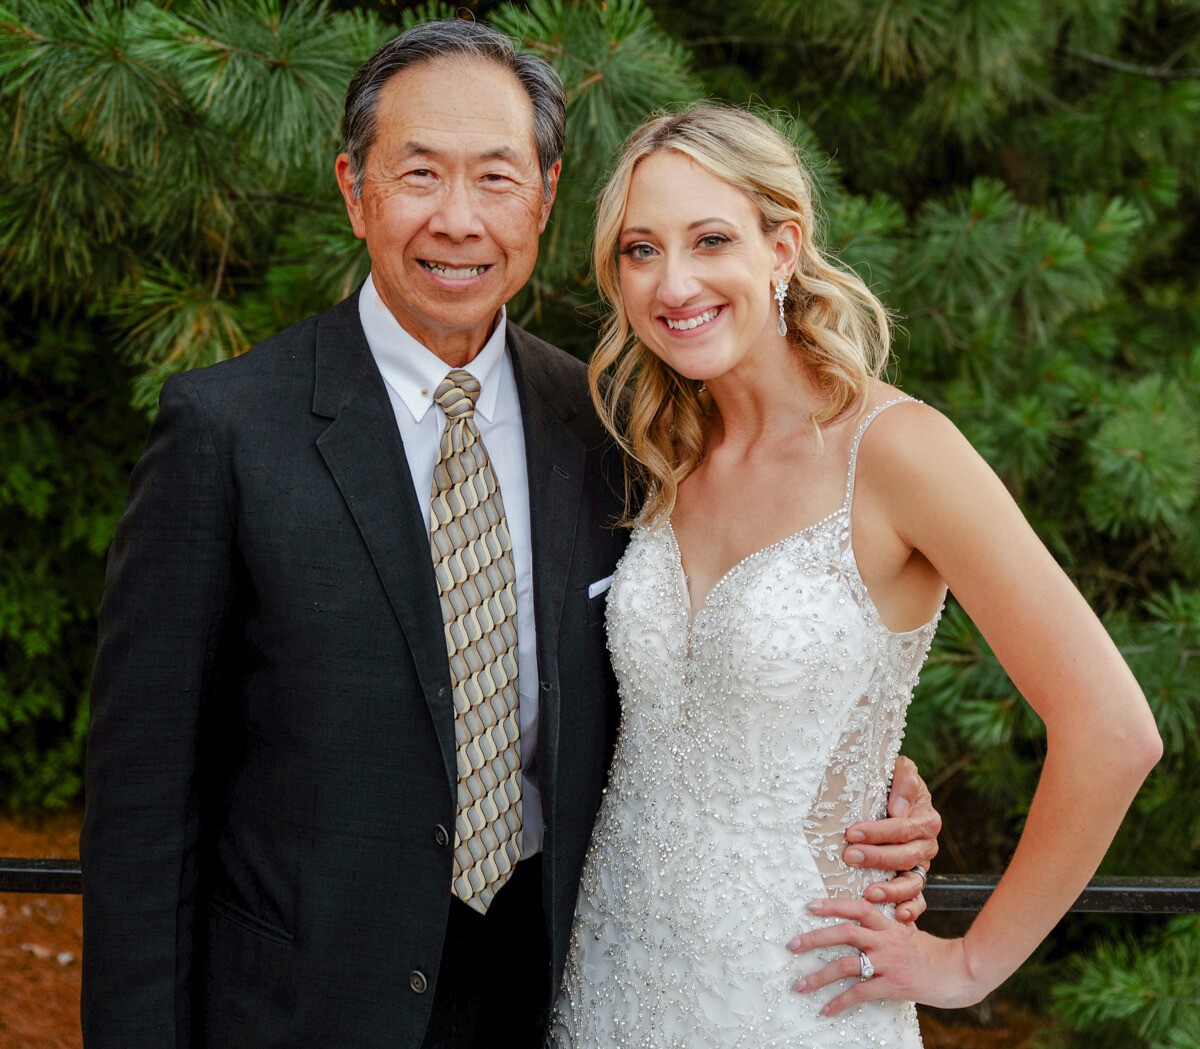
[412, 370]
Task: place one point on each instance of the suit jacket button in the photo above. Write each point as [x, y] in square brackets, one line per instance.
[417, 981]
[441, 836]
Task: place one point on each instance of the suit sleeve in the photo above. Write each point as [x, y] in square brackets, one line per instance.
[162, 622]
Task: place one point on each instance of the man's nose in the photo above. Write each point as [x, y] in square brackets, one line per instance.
[457, 215]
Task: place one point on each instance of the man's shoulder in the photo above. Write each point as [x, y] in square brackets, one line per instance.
[276, 379]
[527, 342]
[555, 370]
[289, 356]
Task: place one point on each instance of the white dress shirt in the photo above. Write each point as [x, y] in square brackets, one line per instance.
[412, 374]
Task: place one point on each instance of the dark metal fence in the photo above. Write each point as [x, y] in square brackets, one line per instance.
[945, 892]
[968, 892]
[49, 876]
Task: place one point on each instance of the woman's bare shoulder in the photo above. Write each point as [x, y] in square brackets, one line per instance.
[908, 418]
[912, 448]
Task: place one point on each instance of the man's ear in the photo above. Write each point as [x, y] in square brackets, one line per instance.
[345, 181]
[548, 199]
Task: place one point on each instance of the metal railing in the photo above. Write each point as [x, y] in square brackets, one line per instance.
[1104, 895]
[945, 892]
[49, 876]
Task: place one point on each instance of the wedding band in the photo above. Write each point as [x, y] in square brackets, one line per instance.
[920, 872]
[865, 968]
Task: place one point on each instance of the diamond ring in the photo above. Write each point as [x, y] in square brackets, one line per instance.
[865, 968]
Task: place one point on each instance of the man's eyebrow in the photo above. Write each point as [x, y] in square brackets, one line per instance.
[414, 148]
[505, 153]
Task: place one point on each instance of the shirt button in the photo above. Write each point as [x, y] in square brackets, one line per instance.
[417, 981]
[441, 835]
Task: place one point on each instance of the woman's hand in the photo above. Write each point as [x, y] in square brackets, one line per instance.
[909, 964]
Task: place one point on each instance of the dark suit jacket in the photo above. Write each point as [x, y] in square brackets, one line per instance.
[271, 757]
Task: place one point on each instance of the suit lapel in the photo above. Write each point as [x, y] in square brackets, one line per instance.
[364, 453]
[555, 458]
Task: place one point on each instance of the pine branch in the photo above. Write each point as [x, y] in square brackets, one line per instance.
[1163, 72]
[227, 50]
[784, 42]
[290, 199]
[220, 276]
[959, 764]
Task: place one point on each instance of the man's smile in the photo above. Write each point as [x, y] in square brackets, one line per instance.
[443, 269]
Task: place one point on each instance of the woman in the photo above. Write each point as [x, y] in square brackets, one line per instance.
[768, 621]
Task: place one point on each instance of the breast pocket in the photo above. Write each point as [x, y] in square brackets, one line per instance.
[597, 600]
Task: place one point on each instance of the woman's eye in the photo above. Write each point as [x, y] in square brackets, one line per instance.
[713, 240]
[637, 251]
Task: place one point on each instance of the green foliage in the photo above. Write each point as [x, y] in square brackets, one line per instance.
[1131, 995]
[67, 442]
[1145, 454]
[1017, 180]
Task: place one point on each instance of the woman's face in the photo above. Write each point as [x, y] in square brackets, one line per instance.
[696, 269]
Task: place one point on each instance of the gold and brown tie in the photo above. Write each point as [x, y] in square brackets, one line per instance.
[472, 560]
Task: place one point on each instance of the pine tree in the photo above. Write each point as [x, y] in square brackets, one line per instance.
[1017, 180]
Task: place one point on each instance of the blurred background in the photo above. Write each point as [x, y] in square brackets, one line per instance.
[1017, 179]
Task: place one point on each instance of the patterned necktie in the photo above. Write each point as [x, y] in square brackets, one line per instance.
[472, 561]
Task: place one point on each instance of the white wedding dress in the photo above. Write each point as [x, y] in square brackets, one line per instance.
[750, 740]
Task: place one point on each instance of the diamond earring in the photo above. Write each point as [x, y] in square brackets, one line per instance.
[781, 287]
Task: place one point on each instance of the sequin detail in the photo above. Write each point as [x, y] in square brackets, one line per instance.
[750, 739]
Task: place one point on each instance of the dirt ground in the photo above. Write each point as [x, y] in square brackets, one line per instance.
[41, 940]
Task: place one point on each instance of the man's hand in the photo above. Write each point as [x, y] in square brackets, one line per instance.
[907, 839]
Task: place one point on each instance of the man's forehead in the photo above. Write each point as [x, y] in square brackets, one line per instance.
[457, 104]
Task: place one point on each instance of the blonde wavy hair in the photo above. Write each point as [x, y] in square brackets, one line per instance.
[840, 329]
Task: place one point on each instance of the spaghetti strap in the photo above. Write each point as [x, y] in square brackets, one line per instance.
[858, 439]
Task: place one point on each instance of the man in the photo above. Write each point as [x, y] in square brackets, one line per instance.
[344, 762]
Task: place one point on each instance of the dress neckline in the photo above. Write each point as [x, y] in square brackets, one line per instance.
[734, 569]
[847, 503]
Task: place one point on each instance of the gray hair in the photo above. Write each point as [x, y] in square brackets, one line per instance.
[450, 38]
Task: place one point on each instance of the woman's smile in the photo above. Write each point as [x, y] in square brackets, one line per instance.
[695, 322]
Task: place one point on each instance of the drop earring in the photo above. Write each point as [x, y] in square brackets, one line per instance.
[781, 287]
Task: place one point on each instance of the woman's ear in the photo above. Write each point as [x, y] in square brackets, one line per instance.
[786, 246]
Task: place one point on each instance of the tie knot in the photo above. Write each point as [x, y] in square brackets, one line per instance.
[457, 393]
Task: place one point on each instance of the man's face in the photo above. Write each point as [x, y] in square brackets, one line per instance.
[452, 200]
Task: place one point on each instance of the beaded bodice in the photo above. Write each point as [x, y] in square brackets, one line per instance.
[751, 738]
